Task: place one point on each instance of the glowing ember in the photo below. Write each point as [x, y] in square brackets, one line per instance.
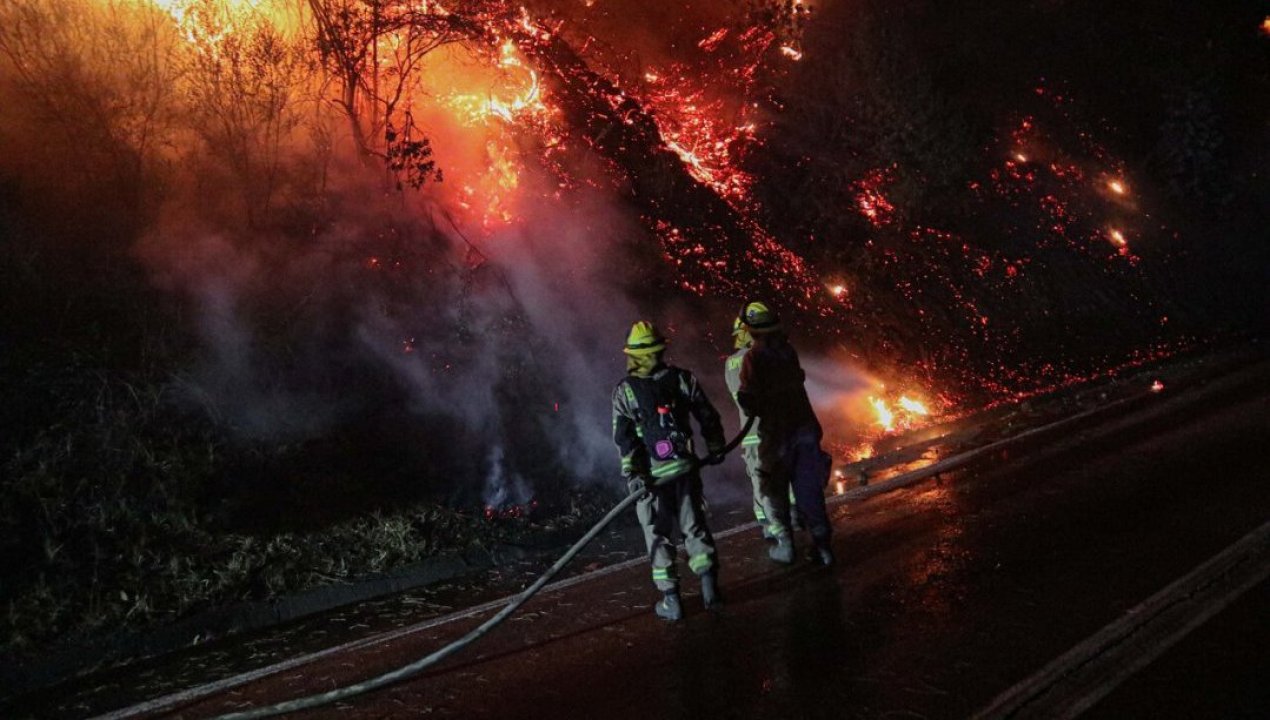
[510, 512]
[1020, 157]
[1265, 26]
[694, 125]
[711, 43]
[1157, 386]
[1117, 238]
[1117, 187]
[838, 291]
[791, 53]
[870, 198]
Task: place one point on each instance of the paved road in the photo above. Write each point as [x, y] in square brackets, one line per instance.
[947, 595]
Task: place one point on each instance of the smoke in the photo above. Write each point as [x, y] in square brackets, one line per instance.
[836, 388]
[500, 488]
[327, 306]
[565, 266]
[503, 345]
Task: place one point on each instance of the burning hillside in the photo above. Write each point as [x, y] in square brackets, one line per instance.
[363, 252]
[758, 154]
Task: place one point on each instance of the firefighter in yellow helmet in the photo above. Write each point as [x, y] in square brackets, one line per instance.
[651, 410]
[769, 385]
[772, 513]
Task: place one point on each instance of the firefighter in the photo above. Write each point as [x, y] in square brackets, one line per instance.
[772, 513]
[770, 387]
[651, 410]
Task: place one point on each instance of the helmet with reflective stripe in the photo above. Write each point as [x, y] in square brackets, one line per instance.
[759, 318]
[644, 339]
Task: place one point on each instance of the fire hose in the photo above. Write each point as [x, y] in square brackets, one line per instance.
[476, 633]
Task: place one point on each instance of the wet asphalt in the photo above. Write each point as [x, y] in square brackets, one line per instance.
[945, 594]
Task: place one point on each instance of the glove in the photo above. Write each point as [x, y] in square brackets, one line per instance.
[640, 483]
[714, 454]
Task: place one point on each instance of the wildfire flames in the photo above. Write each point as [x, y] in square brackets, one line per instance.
[520, 108]
[902, 414]
[523, 105]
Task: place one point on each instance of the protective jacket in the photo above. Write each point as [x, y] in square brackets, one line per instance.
[772, 511]
[789, 453]
[651, 422]
[772, 377]
[732, 376]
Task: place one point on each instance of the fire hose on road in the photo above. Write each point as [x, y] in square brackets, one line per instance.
[476, 633]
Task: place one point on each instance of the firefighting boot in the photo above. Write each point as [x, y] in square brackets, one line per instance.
[783, 551]
[822, 553]
[669, 607]
[796, 518]
[711, 596]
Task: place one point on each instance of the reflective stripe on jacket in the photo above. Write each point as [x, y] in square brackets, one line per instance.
[732, 376]
[634, 431]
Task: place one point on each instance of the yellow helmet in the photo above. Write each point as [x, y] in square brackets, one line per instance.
[644, 339]
[758, 318]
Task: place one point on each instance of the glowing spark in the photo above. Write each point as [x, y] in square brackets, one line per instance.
[871, 200]
[1265, 26]
[838, 290]
[1020, 157]
[791, 53]
[913, 406]
[1157, 386]
[886, 418]
[1117, 187]
[527, 24]
[1117, 238]
[710, 43]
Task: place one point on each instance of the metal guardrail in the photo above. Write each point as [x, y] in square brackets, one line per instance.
[961, 460]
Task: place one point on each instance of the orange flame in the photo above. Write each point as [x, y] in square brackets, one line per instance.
[527, 100]
[885, 417]
[913, 406]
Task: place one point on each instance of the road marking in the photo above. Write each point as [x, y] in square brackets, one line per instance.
[1078, 679]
